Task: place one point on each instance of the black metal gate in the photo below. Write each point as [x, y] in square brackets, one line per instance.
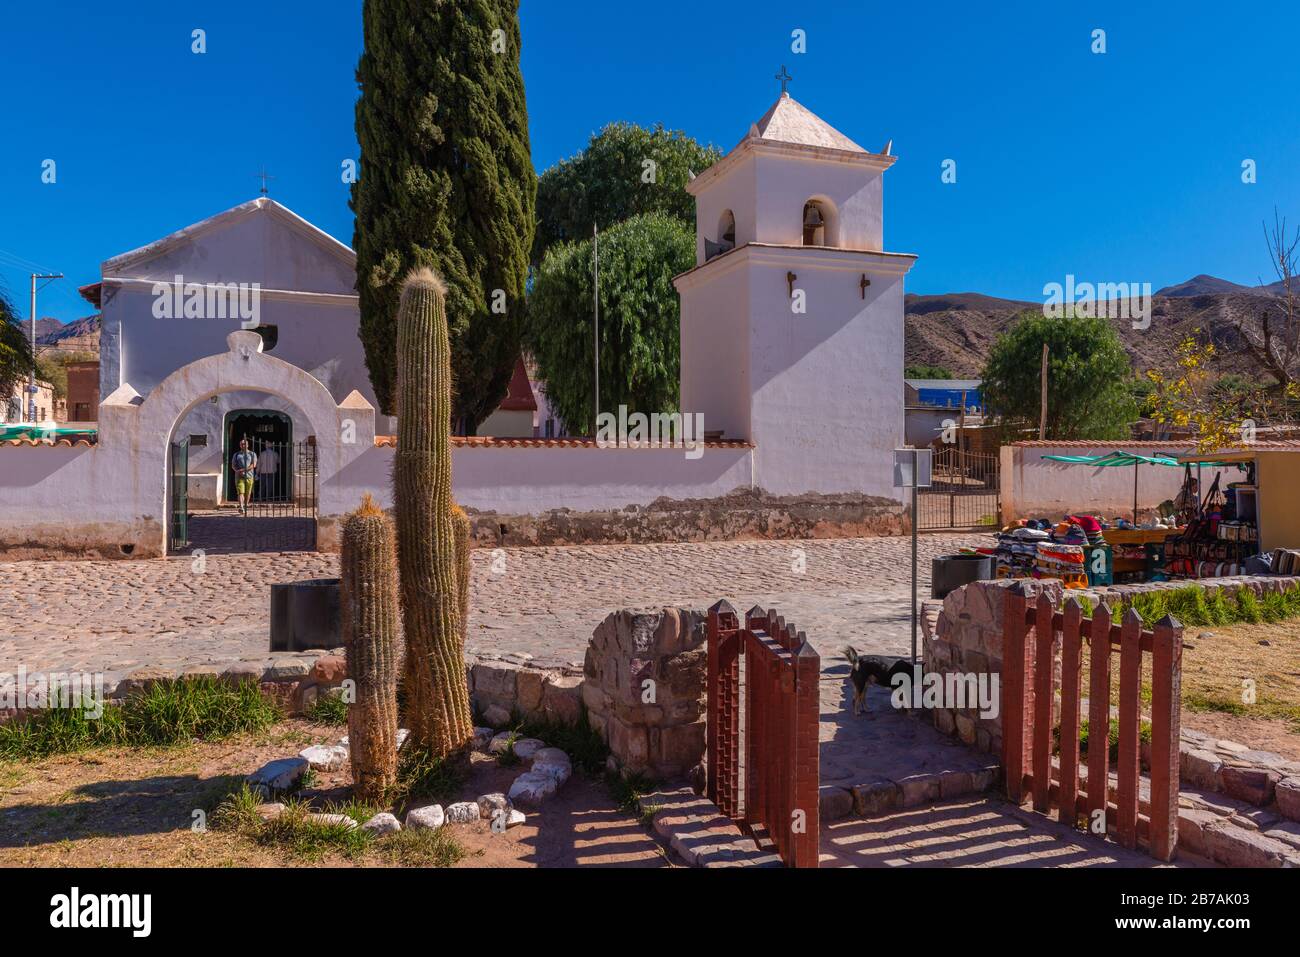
[178, 473]
[965, 491]
[279, 514]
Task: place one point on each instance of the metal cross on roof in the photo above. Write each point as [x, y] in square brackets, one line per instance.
[264, 176]
[784, 77]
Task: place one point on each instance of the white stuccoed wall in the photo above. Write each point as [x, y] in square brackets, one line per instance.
[1034, 487]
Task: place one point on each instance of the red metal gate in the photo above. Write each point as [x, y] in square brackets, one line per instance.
[763, 690]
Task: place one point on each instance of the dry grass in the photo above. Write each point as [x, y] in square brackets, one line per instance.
[135, 806]
[1215, 669]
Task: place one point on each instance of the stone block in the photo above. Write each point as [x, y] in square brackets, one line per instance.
[965, 728]
[1254, 785]
[630, 744]
[562, 698]
[918, 789]
[1192, 823]
[329, 670]
[1287, 792]
[834, 803]
[678, 748]
[141, 680]
[877, 797]
[528, 688]
[955, 784]
[1235, 846]
[495, 682]
[1201, 768]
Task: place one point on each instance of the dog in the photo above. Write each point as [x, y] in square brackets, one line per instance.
[873, 669]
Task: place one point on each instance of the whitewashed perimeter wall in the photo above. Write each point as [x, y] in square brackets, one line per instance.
[1034, 487]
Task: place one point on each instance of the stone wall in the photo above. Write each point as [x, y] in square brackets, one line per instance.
[644, 688]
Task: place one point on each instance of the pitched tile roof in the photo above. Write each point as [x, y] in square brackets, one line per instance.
[789, 121]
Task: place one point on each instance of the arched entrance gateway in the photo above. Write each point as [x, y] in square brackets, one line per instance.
[284, 510]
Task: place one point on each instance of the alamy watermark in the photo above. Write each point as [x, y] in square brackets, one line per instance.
[65, 690]
[951, 690]
[216, 300]
[682, 430]
[1102, 300]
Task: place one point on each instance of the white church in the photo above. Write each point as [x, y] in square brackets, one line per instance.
[791, 346]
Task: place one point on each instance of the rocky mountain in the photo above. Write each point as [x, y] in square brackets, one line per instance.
[51, 331]
[957, 330]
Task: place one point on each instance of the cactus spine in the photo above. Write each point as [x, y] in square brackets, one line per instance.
[431, 559]
[368, 593]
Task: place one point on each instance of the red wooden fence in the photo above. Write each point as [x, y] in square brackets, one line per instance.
[1028, 690]
[763, 686]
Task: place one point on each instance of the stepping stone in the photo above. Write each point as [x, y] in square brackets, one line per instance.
[527, 747]
[490, 804]
[381, 824]
[269, 812]
[532, 788]
[425, 818]
[280, 775]
[325, 757]
[462, 812]
[332, 820]
[552, 762]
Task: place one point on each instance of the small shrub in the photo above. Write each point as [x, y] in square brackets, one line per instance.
[1248, 608]
[328, 709]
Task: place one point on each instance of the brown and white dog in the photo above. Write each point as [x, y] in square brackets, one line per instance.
[873, 669]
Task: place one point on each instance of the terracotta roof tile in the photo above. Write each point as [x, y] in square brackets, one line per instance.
[68, 443]
[490, 442]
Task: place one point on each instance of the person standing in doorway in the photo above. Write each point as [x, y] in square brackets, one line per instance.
[268, 463]
[244, 465]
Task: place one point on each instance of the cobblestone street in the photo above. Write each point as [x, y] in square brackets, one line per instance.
[116, 616]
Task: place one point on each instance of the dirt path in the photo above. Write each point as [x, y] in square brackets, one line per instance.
[136, 807]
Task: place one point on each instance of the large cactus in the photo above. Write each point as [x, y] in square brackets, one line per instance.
[369, 606]
[431, 558]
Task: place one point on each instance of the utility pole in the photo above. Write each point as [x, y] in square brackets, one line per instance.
[1042, 411]
[595, 247]
[31, 386]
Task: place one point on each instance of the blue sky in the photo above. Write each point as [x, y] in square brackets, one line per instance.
[1122, 166]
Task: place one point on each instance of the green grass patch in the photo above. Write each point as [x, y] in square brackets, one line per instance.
[168, 713]
[328, 709]
[420, 776]
[1193, 608]
[581, 742]
[1144, 737]
[294, 834]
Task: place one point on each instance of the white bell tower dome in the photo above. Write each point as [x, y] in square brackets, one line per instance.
[792, 319]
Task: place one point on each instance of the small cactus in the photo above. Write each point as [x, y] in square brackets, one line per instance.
[368, 593]
[432, 543]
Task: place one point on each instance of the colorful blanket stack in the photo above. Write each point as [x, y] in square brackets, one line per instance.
[1065, 562]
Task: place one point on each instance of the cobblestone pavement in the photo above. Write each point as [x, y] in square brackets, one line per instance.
[115, 616]
[969, 832]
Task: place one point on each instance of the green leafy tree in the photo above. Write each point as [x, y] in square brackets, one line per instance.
[639, 318]
[15, 351]
[1088, 378]
[446, 182]
[624, 171]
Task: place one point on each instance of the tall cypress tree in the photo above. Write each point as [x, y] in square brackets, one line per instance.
[446, 182]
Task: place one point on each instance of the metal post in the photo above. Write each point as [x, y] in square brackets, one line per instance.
[595, 246]
[916, 464]
[31, 386]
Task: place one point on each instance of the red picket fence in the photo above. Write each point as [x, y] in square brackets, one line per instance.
[1028, 689]
[766, 673]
